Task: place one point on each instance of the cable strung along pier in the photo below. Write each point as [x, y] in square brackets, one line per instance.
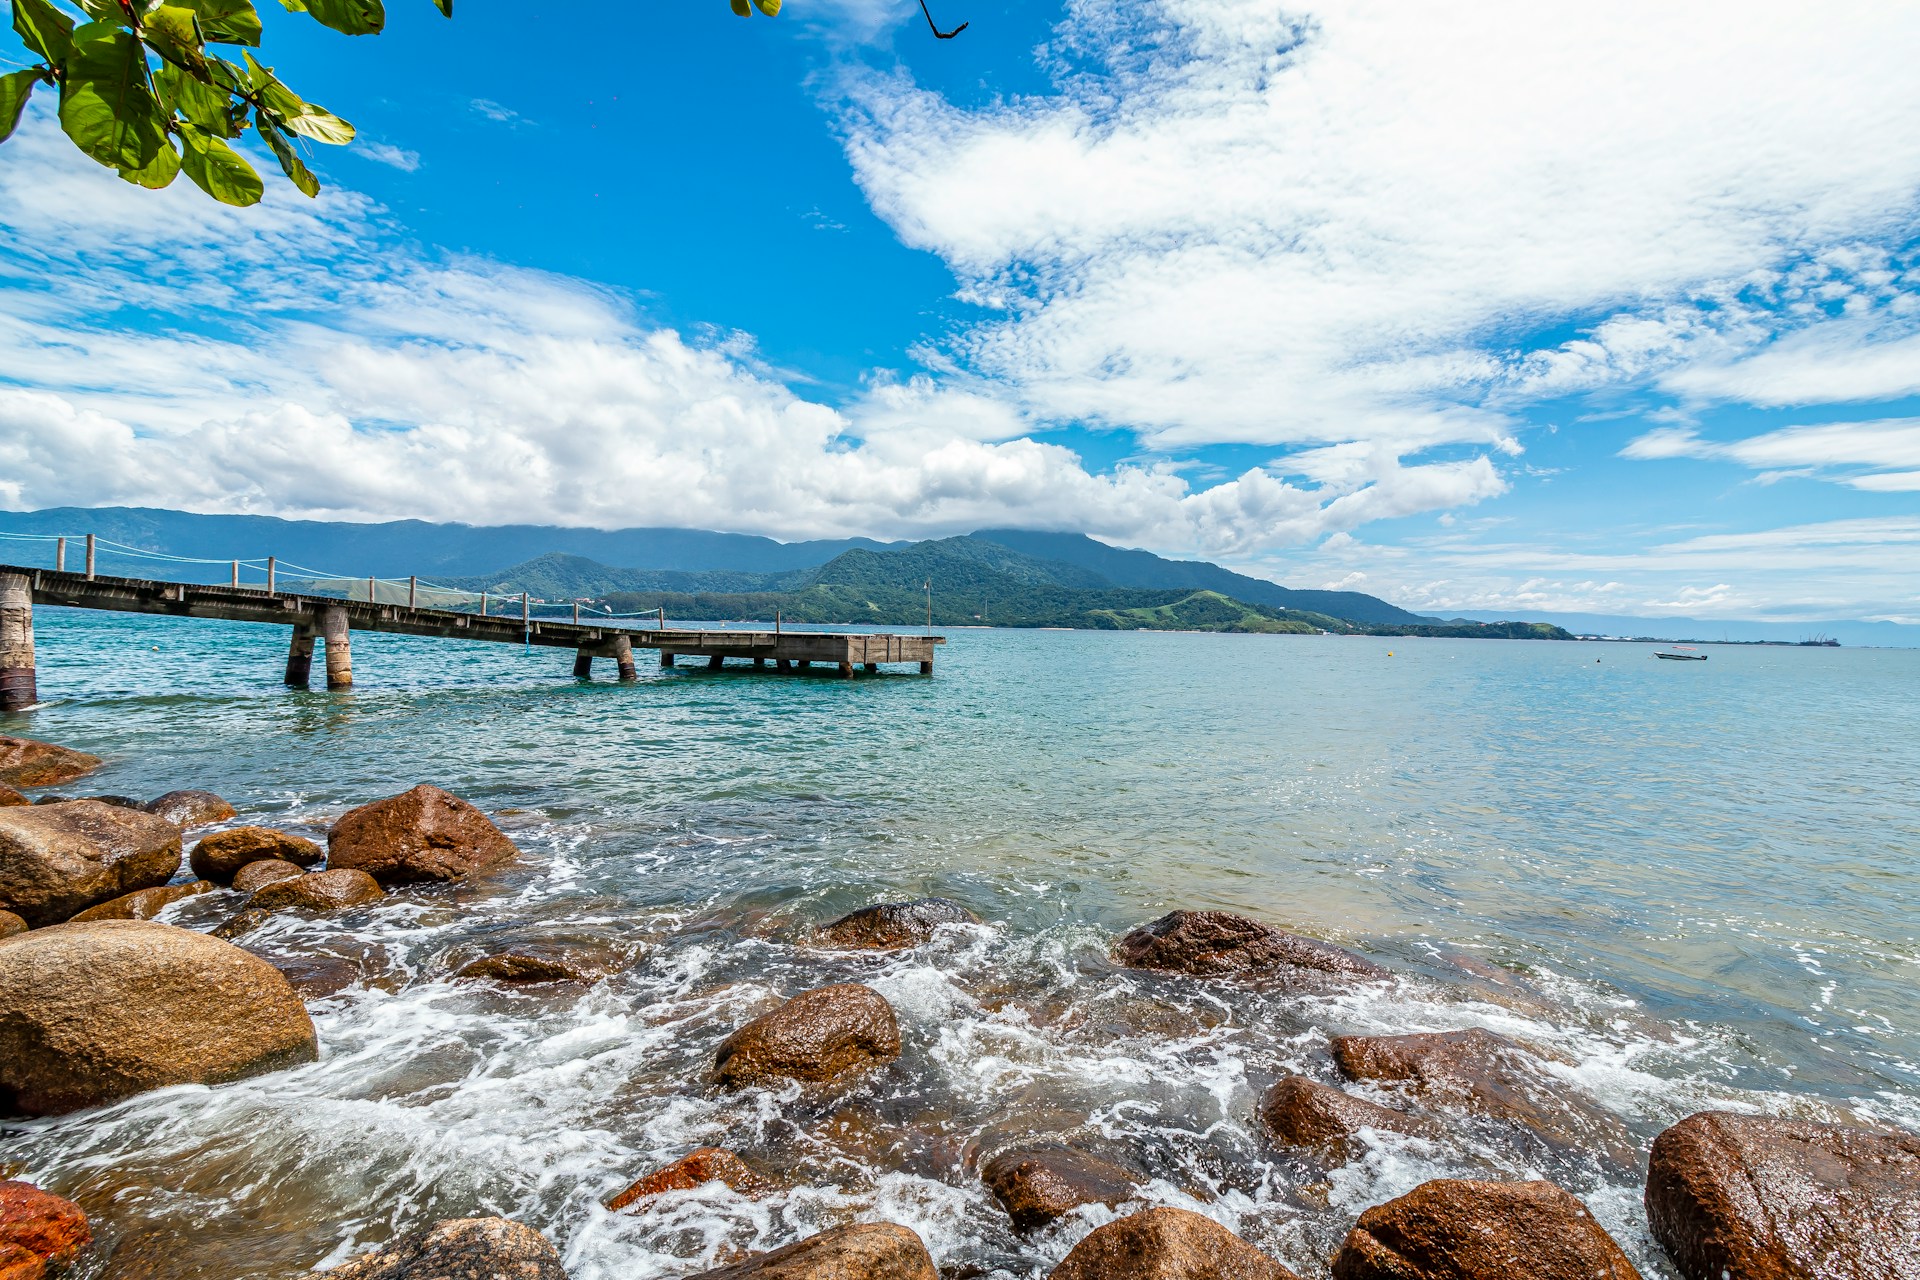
[331, 621]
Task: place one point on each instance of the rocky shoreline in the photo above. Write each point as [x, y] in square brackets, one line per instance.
[99, 1002]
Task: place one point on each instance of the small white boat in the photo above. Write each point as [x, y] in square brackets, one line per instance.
[1680, 653]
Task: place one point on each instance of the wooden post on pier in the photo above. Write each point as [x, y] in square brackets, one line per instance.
[526, 612]
[337, 640]
[623, 658]
[582, 664]
[373, 589]
[483, 604]
[59, 555]
[17, 691]
[270, 568]
[300, 658]
[89, 557]
[236, 573]
[413, 593]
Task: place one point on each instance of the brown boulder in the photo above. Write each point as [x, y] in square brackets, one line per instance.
[1219, 944]
[49, 1227]
[863, 1251]
[20, 1264]
[11, 924]
[143, 904]
[190, 808]
[331, 890]
[894, 926]
[696, 1169]
[1040, 1184]
[223, 853]
[518, 968]
[423, 834]
[1489, 1075]
[460, 1249]
[61, 858]
[1454, 1229]
[90, 1013]
[1167, 1244]
[1735, 1197]
[26, 763]
[1298, 1112]
[9, 798]
[256, 876]
[815, 1036]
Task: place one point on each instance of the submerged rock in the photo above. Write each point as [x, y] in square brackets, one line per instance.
[9, 798]
[815, 1036]
[143, 904]
[11, 924]
[421, 835]
[91, 1013]
[241, 923]
[696, 1169]
[863, 1251]
[1455, 1229]
[190, 808]
[1490, 1075]
[47, 1227]
[26, 763]
[1298, 1112]
[894, 926]
[1167, 1244]
[1037, 1185]
[1219, 944]
[519, 968]
[58, 859]
[219, 856]
[330, 890]
[1759, 1198]
[460, 1249]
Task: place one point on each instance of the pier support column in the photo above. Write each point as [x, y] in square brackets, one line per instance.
[926, 668]
[801, 664]
[623, 658]
[583, 665]
[300, 658]
[17, 691]
[846, 671]
[716, 662]
[337, 640]
[666, 659]
[781, 664]
[872, 666]
[759, 662]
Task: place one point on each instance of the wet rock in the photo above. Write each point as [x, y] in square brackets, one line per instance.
[331, 890]
[50, 1228]
[863, 1251]
[143, 904]
[1218, 944]
[19, 1264]
[1167, 1244]
[26, 763]
[256, 876]
[241, 923]
[316, 977]
[1489, 1075]
[11, 924]
[1298, 1112]
[460, 1249]
[894, 926]
[815, 1036]
[9, 798]
[1759, 1198]
[219, 856]
[696, 1169]
[90, 1013]
[519, 968]
[1037, 1185]
[423, 834]
[190, 808]
[121, 802]
[1453, 1229]
[58, 859]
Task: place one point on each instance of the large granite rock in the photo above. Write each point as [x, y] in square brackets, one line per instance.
[1167, 1244]
[49, 1228]
[1453, 1229]
[58, 859]
[894, 926]
[9, 798]
[1487, 1074]
[190, 808]
[1038, 1185]
[330, 890]
[696, 1169]
[1219, 944]
[143, 904]
[815, 1036]
[1298, 1112]
[219, 856]
[1735, 1197]
[864, 1251]
[421, 835]
[91, 1013]
[26, 763]
[17, 1263]
[460, 1249]
[256, 876]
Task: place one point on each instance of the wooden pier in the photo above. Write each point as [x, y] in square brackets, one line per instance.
[331, 622]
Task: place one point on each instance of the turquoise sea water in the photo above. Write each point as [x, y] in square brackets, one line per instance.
[1696, 882]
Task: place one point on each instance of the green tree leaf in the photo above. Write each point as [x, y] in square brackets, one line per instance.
[290, 164]
[218, 169]
[47, 31]
[105, 105]
[291, 112]
[161, 172]
[353, 17]
[15, 89]
[321, 126]
[206, 105]
[741, 9]
[173, 32]
[769, 7]
[445, 7]
[227, 21]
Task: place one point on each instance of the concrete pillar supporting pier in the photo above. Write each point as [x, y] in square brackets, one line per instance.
[17, 690]
[781, 664]
[300, 658]
[716, 662]
[337, 640]
[926, 668]
[666, 658]
[623, 658]
[846, 670]
[873, 666]
[582, 665]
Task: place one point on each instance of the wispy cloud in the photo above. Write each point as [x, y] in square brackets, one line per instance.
[494, 111]
[1881, 456]
[391, 156]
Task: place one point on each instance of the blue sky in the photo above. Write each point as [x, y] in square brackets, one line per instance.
[1617, 314]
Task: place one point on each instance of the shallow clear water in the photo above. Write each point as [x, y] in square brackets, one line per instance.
[1697, 882]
